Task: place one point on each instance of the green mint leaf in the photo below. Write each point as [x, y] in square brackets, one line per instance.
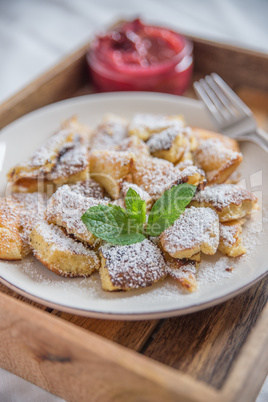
[111, 223]
[169, 207]
[135, 206]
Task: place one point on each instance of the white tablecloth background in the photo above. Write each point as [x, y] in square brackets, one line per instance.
[35, 34]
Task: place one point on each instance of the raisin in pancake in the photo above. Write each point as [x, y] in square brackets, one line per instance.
[60, 253]
[197, 229]
[192, 175]
[230, 201]
[65, 209]
[135, 266]
[44, 159]
[230, 242]
[169, 144]
[72, 166]
[63, 158]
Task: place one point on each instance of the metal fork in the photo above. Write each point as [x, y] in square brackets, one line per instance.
[230, 113]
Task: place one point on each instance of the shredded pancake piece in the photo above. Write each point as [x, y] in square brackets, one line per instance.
[88, 188]
[156, 175]
[144, 125]
[65, 209]
[110, 168]
[131, 267]
[230, 242]
[169, 144]
[217, 161]
[197, 229]
[112, 131]
[61, 253]
[18, 215]
[134, 145]
[228, 200]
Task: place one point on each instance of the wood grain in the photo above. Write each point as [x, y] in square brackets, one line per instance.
[250, 368]
[132, 334]
[78, 366]
[257, 101]
[205, 344]
[236, 66]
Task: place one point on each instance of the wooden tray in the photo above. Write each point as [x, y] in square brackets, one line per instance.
[219, 354]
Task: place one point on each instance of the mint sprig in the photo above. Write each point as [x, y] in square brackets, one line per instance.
[169, 207]
[118, 225]
[136, 207]
[121, 226]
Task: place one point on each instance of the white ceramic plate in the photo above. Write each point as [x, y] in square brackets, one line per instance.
[85, 296]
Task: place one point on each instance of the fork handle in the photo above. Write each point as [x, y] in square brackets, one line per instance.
[259, 137]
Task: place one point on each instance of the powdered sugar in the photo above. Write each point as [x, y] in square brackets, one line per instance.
[108, 135]
[66, 207]
[184, 164]
[193, 229]
[189, 171]
[212, 153]
[133, 144]
[183, 272]
[163, 140]
[153, 122]
[57, 238]
[133, 266]
[72, 162]
[155, 175]
[214, 269]
[228, 234]
[88, 188]
[9, 213]
[222, 195]
[32, 209]
[22, 210]
[111, 163]
[50, 149]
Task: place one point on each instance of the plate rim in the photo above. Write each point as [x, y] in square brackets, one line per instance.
[135, 316]
[100, 95]
[195, 306]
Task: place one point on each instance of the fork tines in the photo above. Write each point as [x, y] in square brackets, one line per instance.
[220, 99]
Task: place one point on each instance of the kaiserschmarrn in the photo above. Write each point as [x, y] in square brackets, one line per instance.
[79, 167]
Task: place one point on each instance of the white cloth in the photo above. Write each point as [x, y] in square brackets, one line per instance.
[35, 34]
